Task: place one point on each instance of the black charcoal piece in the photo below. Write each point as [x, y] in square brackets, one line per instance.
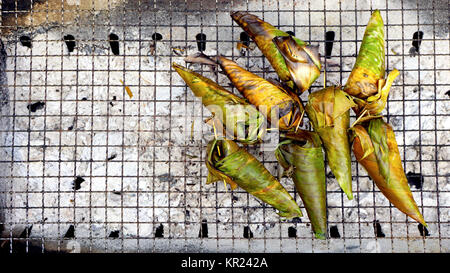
[245, 39]
[70, 233]
[159, 232]
[77, 183]
[114, 43]
[114, 234]
[423, 230]
[33, 107]
[157, 36]
[415, 179]
[203, 232]
[329, 40]
[377, 229]
[70, 42]
[25, 41]
[248, 234]
[417, 40]
[292, 232]
[334, 232]
[201, 41]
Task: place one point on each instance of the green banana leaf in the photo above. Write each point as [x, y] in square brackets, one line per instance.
[300, 153]
[240, 118]
[265, 95]
[262, 33]
[366, 81]
[302, 61]
[328, 111]
[227, 161]
[375, 148]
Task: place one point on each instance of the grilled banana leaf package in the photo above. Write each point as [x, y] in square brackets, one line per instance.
[235, 114]
[227, 161]
[328, 111]
[300, 154]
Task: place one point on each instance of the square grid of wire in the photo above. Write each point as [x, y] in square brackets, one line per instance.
[160, 147]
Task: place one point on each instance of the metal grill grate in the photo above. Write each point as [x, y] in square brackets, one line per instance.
[85, 167]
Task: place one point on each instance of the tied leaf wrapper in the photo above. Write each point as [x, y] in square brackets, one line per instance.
[370, 65]
[227, 161]
[246, 122]
[372, 156]
[302, 61]
[328, 111]
[266, 96]
[262, 33]
[366, 81]
[301, 153]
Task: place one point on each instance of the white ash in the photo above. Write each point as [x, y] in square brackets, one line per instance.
[155, 178]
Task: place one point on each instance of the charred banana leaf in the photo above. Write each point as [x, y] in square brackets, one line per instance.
[328, 110]
[266, 96]
[366, 81]
[227, 161]
[375, 148]
[239, 118]
[301, 156]
[302, 61]
[263, 33]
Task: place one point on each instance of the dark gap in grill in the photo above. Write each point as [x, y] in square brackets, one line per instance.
[447, 93]
[26, 232]
[25, 41]
[245, 39]
[377, 229]
[112, 157]
[248, 234]
[329, 40]
[70, 233]
[114, 234]
[292, 232]
[114, 43]
[70, 42]
[201, 41]
[203, 232]
[330, 175]
[334, 232]
[290, 33]
[296, 220]
[157, 36]
[19, 5]
[417, 40]
[423, 230]
[77, 182]
[70, 128]
[159, 232]
[415, 179]
[33, 107]
[21, 245]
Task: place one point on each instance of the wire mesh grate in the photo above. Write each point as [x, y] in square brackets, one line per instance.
[102, 144]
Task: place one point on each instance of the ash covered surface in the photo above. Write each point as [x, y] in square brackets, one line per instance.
[96, 170]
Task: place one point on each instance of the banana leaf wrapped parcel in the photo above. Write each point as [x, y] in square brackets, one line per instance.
[227, 161]
[300, 154]
[302, 61]
[328, 111]
[235, 114]
[375, 148]
[263, 33]
[265, 95]
[367, 80]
